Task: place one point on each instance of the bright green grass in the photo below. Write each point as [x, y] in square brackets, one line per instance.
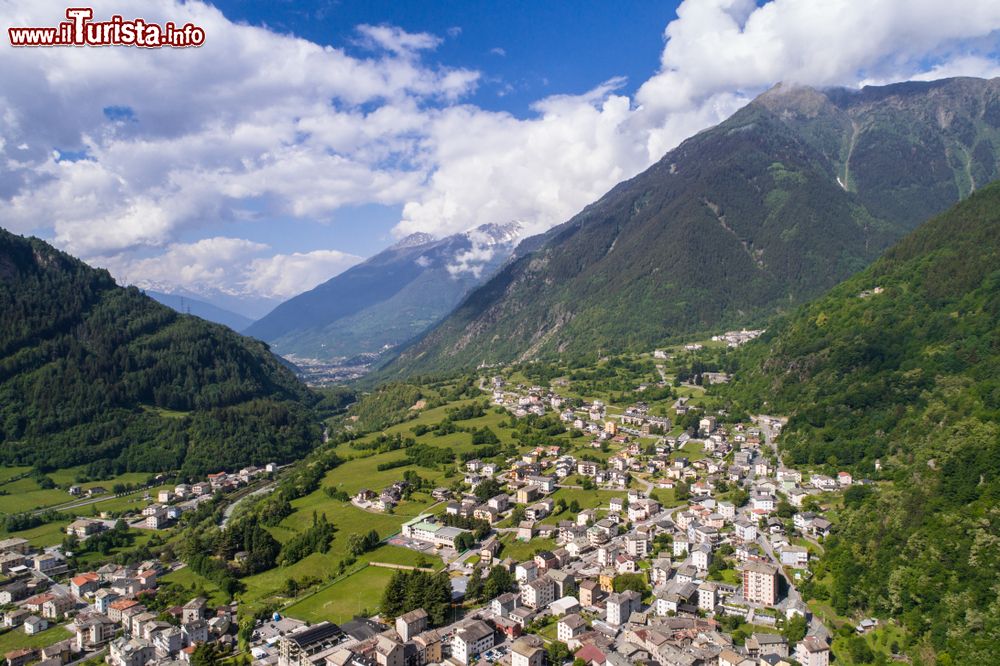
[269, 584]
[166, 413]
[522, 550]
[879, 640]
[7, 473]
[44, 535]
[93, 560]
[67, 477]
[197, 584]
[691, 450]
[344, 599]
[587, 499]
[16, 638]
[25, 495]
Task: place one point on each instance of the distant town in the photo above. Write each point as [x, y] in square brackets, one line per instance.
[689, 552]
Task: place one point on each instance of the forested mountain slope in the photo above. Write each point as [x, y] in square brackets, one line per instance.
[94, 373]
[792, 194]
[387, 299]
[901, 365]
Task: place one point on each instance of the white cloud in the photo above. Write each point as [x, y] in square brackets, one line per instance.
[233, 266]
[397, 40]
[258, 125]
[498, 51]
[718, 54]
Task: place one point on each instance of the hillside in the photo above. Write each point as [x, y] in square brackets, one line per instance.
[789, 196]
[387, 299]
[900, 365]
[94, 373]
[203, 309]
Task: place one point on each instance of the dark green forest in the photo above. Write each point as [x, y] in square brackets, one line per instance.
[908, 377]
[90, 371]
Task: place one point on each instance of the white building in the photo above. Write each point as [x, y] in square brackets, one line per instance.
[470, 641]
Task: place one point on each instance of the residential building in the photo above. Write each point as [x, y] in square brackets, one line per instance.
[538, 593]
[621, 605]
[131, 652]
[760, 583]
[294, 649]
[471, 640]
[35, 625]
[527, 651]
[389, 652]
[410, 624]
[708, 596]
[570, 626]
[590, 592]
[812, 651]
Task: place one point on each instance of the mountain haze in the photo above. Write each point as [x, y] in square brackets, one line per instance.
[387, 299]
[792, 194]
[93, 373]
[203, 309]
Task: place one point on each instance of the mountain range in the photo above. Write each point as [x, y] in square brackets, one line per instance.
[200, 308]
[792, 194]
[382, 302]
[95, 374]
[895, 373]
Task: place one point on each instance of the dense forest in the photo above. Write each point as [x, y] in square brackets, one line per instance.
[92, 371]
[896, 375]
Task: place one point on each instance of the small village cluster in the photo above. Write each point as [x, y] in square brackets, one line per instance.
[629, 579]
[571, 593]
[104, 608]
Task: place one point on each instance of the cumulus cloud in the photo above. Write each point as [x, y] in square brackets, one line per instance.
[233, 266]
[117, 153]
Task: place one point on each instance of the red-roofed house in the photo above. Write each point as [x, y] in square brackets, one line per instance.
[591, 654]
[115, 608]
[35, 603]
[147, 579]
[85, 583]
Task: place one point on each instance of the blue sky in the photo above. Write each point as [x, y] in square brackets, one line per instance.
[304, 137]
[525, 50]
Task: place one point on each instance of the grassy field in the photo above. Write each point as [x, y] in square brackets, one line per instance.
[26, 495]
[522, 550]
[270, 584]
[357, 594]
[587, 499]
[197, 584]
[15, 639]
[880, 640]
[7, 473]
[43, 535]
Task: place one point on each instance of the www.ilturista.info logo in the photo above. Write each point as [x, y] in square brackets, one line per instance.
[80, 30]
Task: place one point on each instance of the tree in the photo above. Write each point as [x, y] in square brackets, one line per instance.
[558, 652]
[795, 628]
[574, 506]
[464, 541]
[487, 489]
[636, 582]
[497, 582]
[859, 650]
